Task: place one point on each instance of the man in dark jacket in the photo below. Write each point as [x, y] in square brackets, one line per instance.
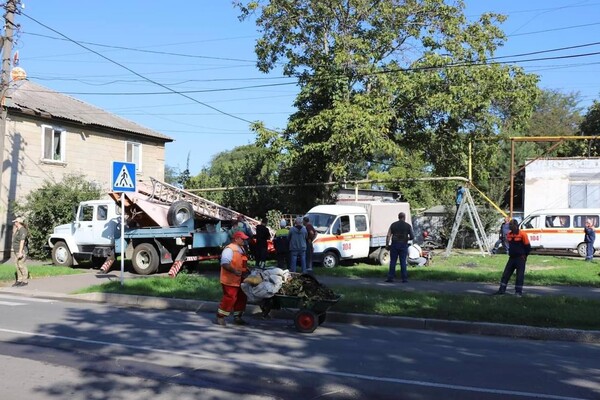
[262, 237]
[589, 239]
[399, 234]
[518, 250]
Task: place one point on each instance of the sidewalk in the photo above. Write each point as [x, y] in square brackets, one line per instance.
[62, 287]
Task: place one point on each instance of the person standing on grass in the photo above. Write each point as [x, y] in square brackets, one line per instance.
[312, 234]
[297, 241]
[518, 250]
[262, 238]
[234, 264]
[504, 229]
[399, 234]
[589, 239]
[19, 245]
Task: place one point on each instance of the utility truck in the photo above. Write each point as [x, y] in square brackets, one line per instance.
[165, 226]
[354, 231]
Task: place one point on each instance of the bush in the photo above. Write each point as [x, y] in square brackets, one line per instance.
[52, 205]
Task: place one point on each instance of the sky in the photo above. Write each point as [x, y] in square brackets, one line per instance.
[187, 69]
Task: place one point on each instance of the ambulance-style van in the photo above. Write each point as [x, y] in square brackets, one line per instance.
[353, 231]
[560, 229]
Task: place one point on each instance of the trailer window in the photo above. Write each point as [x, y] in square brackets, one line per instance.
[360, 222]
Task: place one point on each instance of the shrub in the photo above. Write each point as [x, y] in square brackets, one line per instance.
[52, 205]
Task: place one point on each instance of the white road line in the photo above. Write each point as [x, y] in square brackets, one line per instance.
[10, 303]
[28, 299]
[305, 370]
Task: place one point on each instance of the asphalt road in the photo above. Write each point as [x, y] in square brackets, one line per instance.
[51, 349]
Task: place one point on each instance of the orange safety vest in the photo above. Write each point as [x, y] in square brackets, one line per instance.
[239, 262]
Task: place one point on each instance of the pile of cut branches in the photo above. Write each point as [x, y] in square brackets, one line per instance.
[308, 288]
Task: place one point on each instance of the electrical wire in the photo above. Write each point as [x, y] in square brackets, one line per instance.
[136, 73]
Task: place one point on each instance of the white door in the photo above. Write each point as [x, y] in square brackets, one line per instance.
[92, 225]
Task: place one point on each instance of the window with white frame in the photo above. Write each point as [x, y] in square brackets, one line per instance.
[53, 144]
[134, 154]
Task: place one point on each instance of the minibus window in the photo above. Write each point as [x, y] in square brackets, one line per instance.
[360, 222]
[558, 221]
[580, 220]
[530, 223]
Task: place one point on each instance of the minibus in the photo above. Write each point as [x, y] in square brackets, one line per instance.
[561, 228]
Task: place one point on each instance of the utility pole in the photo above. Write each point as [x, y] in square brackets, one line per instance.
[7, 43]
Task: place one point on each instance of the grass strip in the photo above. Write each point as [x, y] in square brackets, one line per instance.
[542, 311]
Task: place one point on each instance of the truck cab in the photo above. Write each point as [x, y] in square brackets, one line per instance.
[93, 229]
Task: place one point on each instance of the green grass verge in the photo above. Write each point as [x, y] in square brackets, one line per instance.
[558, 312]
[541, 270]
[36, 270]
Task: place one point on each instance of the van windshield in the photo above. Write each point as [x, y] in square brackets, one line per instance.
[321, 222]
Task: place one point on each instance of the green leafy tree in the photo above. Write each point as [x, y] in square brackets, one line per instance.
[590, 126]
[395, 87]
[254, 169]
[51, 205]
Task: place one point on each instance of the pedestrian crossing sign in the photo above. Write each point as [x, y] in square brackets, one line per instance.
[123, 177]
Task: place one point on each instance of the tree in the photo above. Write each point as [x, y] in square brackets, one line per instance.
[249, 166]
[590, 126]
[52, 205]
[386, 82]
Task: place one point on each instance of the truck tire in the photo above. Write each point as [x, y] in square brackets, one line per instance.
[384, 256]
[179, 212]
[145, 259]
[330, 260]
[582, 249]
[61, 255]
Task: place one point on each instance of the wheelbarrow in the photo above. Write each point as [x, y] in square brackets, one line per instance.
[309, 315]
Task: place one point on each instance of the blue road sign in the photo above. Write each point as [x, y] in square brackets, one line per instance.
[123, 177]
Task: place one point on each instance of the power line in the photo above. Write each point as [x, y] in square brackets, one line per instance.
[138, 74]
[144, 51]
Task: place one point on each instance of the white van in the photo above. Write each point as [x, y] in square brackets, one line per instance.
[561, 228]
[354, 231]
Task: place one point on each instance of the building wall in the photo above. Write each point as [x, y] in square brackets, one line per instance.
[549, 182]
[88, 153]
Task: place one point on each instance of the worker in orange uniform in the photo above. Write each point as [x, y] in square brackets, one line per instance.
[234, 264]
[518, 250]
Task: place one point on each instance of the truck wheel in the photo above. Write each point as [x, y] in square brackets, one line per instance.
[61, 255]
[582, 249]
[145, 259]
[384, 256]
[330, 260]
[179, 212]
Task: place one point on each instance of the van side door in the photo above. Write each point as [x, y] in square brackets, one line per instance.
[341, 228]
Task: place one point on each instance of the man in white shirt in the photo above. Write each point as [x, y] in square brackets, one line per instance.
[415, 255]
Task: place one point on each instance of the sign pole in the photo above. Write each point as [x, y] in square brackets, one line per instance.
[123, 179]
[122, 237]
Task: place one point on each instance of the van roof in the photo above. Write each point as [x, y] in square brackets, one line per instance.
[566, 211]
[336, 209]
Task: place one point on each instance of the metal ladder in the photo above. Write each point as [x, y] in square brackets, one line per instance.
[163, 192]
[468, 205]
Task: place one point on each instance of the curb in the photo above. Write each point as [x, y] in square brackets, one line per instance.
[427, 324]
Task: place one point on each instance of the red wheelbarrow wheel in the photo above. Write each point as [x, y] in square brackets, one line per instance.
[306, 321]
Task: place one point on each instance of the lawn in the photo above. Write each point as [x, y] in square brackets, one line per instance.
[541, 270]
[562, 312]
[36, 270]
[555, 311]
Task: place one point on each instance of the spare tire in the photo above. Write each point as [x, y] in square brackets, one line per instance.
[179, 212]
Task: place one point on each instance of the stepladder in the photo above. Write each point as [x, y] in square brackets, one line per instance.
[467, 205]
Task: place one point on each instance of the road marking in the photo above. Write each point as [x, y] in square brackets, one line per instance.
[299, 369]
[28, 299]
[10, 303]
